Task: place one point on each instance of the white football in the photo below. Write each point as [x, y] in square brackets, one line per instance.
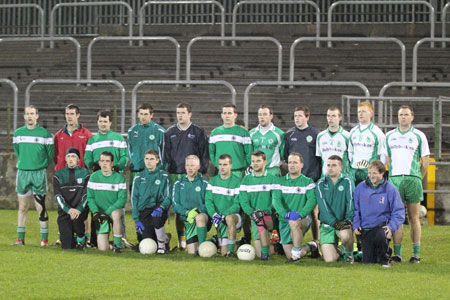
[147, 246]
[207, 249]
[423, 211]
[246, 252]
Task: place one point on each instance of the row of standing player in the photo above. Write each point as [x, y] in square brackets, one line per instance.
[224, 139]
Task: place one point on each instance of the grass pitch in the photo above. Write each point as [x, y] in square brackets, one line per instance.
[32, 272]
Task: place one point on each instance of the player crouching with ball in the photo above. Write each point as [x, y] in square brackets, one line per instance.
[379, 212]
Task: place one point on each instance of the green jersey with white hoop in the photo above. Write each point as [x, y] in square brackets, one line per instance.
[222, 195]
[271, 142]
[366, 142]
[33, 147]
[106, 193]
[110, 141]
[256, 192]
[329, 144]
[234, 141]
[405, 150]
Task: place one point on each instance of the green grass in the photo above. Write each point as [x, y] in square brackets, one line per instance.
[31, 272]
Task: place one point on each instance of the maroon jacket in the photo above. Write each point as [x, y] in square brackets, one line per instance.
[64, 141]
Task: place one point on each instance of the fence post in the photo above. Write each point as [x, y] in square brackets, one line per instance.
[115, 118]
[8, 128]
[437, 134]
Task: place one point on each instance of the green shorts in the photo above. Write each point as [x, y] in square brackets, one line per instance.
[275, 171]
[104, 228]
[358, 175]
[285, 230]
[27, 181]
[410, 188]
[222, 229]
[328, 235]
[191, 230]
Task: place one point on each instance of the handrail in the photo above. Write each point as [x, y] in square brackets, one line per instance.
[240, 3]
[76, 4]
[239, 38]
[444, 21]
[51, 39]
[71, 81]
[390, 2]
[177, 82]
[412, 84]
[348, 39]
[31, 5]
[212, 2]
[416, 50]
[298, 83]
[146, 38]
[16, 99]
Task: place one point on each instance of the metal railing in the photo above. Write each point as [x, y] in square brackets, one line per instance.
[145, 38]
[444, 22]
[107, 3]
[416, 50]
[177, 82]
[241, 3]
[15, 99]
[41, 23]
[239, 38]
[213, 3]
[350, 39]
[298, 83]
[78, 82]
[396, 2]
[52, 39]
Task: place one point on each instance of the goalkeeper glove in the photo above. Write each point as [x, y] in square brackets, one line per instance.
[292, 216]
[102, 218]
[95, 217]
[217, 218]
[191, 214]
[139, 227]
[157, 212]
[341, 225]
[257, 216]
[362, 164]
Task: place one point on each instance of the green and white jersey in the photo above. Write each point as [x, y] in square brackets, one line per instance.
[222, 195]
[33, 147]
[365, 143]
[234, 141]
[256, 192]
[271, 142]
[112, 142]
[405, 150]
[333, 144]
[106, 193]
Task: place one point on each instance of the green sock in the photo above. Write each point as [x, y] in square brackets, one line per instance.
[416, 249]
[21, 233]
[81, 240]
[398, 249]
[265, 250]
[118, 241]
[59, 236]
[44, 233]
[201, 234]
[87, 235]
[348, 253]
[231, 244]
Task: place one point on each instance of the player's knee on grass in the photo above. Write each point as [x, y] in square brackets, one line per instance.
[346, 237]
[103, 242]
[329, 253]
[192, 245]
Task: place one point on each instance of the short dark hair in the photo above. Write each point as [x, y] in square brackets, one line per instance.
[145, 106]
[268, 107]
[185, 105]
[152, 152]
[304, 109]
[230, 105]
[225, 156]
[296, 154]
[335, 157]
[259, 153]
[105, 113]
[107, 153]
[406, 106]
[72, 106]
[378, 165]
[335, 108]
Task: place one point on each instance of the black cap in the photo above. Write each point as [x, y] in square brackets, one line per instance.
[73, 150]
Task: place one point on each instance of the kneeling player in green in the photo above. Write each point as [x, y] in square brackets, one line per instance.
[255, 197]
[188, 200]
[294, 203]
[107, 195]
[69, 186]
[334, 195]
[150, 201]
[222, 203]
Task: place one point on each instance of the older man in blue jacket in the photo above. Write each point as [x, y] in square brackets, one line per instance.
[379, 212]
